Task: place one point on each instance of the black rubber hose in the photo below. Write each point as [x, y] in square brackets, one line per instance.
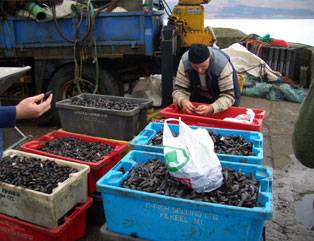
[61, 33]
[2, 9]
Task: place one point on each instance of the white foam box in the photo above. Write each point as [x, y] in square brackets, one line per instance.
[40, 208]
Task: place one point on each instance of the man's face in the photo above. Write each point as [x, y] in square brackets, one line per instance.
[202, 67]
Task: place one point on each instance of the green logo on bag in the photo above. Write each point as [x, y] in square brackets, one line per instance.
[176, 159]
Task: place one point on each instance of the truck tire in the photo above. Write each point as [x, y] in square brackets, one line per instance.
[63, 86]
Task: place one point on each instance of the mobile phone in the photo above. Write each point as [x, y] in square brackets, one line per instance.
[47, 95]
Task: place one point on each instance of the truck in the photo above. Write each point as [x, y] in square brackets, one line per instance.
[97, 51]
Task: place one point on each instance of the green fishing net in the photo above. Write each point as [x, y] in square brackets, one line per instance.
[274, 91]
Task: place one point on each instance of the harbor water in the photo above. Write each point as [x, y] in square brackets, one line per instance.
[291, 30]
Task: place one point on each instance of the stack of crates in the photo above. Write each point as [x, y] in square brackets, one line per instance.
[158, 217]
[26, 214]
[62, 216]
[97, 170]
[116, 125]
[278, 58]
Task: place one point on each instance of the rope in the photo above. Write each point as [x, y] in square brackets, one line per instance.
[77, 68]
[95, 59]
[30, 12]
[77, 75]
[93, 43]
[257, 45]
[78, 71]
[169, 9]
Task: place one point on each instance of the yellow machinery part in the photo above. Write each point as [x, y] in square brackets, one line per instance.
[200, 37]
[192, 14]
[190, 20]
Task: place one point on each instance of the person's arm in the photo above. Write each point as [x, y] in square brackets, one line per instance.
[303, 133]
[181, 94]
[27, 108]
[226, 97]
[7, 116]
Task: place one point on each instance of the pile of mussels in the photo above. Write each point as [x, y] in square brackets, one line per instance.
[154, 177]
[33, 173]
[224, 144]
[77, 149]
[104, 103]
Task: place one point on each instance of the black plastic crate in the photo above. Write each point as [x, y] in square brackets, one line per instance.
[278, 58]
[113, 124]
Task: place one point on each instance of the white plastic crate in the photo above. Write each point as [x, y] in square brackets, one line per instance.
[40, 208]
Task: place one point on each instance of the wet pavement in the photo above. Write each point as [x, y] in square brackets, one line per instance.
[291, 180]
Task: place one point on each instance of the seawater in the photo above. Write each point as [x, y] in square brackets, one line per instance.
[291, 30]
[305, 211]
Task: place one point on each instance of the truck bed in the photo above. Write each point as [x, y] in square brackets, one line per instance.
[118, 33]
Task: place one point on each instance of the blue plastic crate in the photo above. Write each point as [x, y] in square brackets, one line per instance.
[140, 142]
[157, 217]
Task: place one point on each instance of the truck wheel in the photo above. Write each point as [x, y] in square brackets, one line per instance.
[63, 86]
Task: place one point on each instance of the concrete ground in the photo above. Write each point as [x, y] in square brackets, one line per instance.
[291, 180]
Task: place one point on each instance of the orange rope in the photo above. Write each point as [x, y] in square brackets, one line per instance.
[257, 45]
[286, 79]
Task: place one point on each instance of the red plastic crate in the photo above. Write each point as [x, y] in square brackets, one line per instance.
[215, 120]
[74, 227]
[97, 169]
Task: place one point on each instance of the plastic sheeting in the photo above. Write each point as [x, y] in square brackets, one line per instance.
[63, 10]
[246, 62]
[148, 88]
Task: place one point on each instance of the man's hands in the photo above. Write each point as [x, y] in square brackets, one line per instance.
[28, 108]
[188, 107]
[204, 109]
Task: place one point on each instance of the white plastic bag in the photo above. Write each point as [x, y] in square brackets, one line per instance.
[190, 157]
[243, 118]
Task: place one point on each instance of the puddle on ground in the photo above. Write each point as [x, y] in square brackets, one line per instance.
[305, 211]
